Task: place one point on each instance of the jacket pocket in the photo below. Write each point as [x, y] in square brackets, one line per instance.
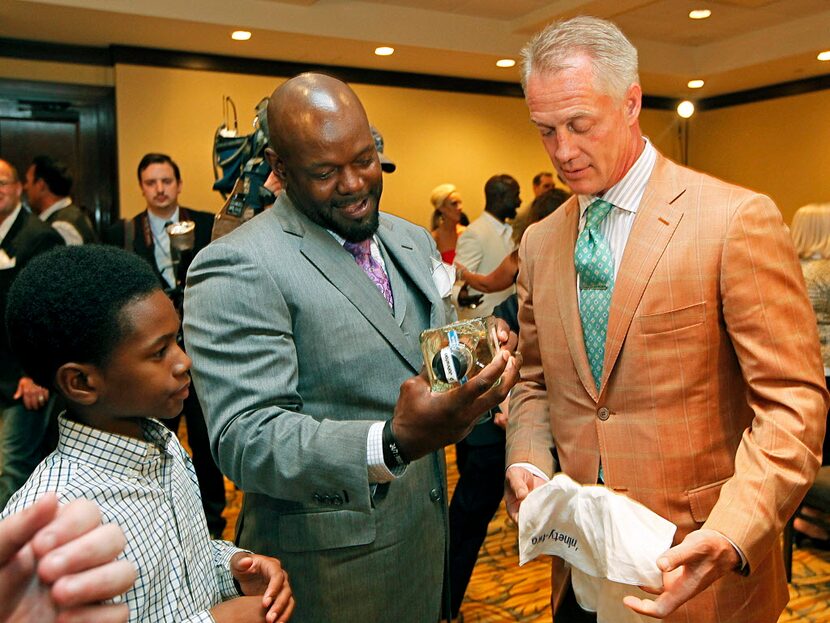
[309, 532]
[703, 499]
[673, 320]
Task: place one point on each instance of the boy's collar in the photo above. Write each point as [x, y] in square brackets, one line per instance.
[110, 451]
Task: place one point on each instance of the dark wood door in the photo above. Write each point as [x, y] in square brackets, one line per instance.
[23, 139]
[73, 123]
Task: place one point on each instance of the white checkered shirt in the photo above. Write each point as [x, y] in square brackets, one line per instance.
[149, 488]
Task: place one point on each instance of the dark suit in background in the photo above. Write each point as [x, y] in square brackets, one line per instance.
[137, 229]
[135, 236]
[22, 444]
[78, 219]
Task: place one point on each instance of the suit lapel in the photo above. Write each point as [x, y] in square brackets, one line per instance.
[657, 219]
[397, 284]
[337, 266]
[566, 294]
[8, 244]
[143, 243]
[403, 253]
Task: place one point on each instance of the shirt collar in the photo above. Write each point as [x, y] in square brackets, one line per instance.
[60, 204]
[341, 240]
[627, 193]
[157, 223]
[109, 451]
[7, 223]
[500, 226]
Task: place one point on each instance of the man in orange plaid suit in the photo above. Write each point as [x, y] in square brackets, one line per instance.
[669, 347]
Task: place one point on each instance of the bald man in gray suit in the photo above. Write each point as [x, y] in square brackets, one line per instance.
[303, 326]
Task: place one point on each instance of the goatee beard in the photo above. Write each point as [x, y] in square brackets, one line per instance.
[358, 231]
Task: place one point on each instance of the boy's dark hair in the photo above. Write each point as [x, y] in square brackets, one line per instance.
[154, 158]
[54, 173]
[66, 306]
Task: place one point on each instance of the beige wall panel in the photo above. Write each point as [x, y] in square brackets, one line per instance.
[433, 137]
[176, 111]
[19, 69]
[778, 147]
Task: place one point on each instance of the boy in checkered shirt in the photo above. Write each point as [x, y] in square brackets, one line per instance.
[92, 323]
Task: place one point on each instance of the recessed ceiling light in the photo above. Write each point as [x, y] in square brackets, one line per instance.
[695, 84]
[384, 51]
[824, 56]
[685, 109]
[505, 62]
[240, 35]
[700, 13]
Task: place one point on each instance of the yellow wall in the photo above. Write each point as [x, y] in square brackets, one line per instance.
[433, 137]
[780, 147]
[20, 69]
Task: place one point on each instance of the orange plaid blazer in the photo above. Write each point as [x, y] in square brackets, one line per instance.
[712, 406]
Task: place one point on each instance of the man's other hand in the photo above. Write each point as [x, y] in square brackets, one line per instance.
[688, 568]
[34, 396]
[518, 483]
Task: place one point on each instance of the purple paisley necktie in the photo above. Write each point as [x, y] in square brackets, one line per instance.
[362, 252]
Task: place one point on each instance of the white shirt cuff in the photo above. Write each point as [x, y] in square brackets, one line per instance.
[737, 549]
[531, 468]
[378, 472]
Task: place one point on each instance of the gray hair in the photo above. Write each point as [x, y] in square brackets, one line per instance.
[614, 59]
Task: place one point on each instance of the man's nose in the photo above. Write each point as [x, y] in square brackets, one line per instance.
[351, 181]
[565, 147]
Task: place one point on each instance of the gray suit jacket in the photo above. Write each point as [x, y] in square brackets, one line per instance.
[295, 354]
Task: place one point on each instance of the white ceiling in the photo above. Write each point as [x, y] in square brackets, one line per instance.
[745, 44]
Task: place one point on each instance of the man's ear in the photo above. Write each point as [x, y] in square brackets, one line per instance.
[633, 102]
[276, 163]
[80, 383]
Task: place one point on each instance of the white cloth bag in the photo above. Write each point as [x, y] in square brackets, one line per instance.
[611, 542]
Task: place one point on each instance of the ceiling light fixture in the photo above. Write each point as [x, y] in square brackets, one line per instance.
[685, 109]
[824, 56]
[240, 35]
[695, 84]
[384, 51]
[700, 13]
[505, 62]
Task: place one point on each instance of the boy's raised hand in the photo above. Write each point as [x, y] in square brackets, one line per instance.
[263, 575]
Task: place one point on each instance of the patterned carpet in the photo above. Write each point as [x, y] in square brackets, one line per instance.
[502, 592]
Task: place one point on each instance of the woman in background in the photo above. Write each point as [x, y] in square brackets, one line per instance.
[446, 220]
[811, 238]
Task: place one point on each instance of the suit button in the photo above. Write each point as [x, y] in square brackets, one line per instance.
[435, 495]
[317, 498]
[603, 413]
[327, 499]
[338, 501]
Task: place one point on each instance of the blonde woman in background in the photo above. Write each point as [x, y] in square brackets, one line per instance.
[446, 220]
[811, 237]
